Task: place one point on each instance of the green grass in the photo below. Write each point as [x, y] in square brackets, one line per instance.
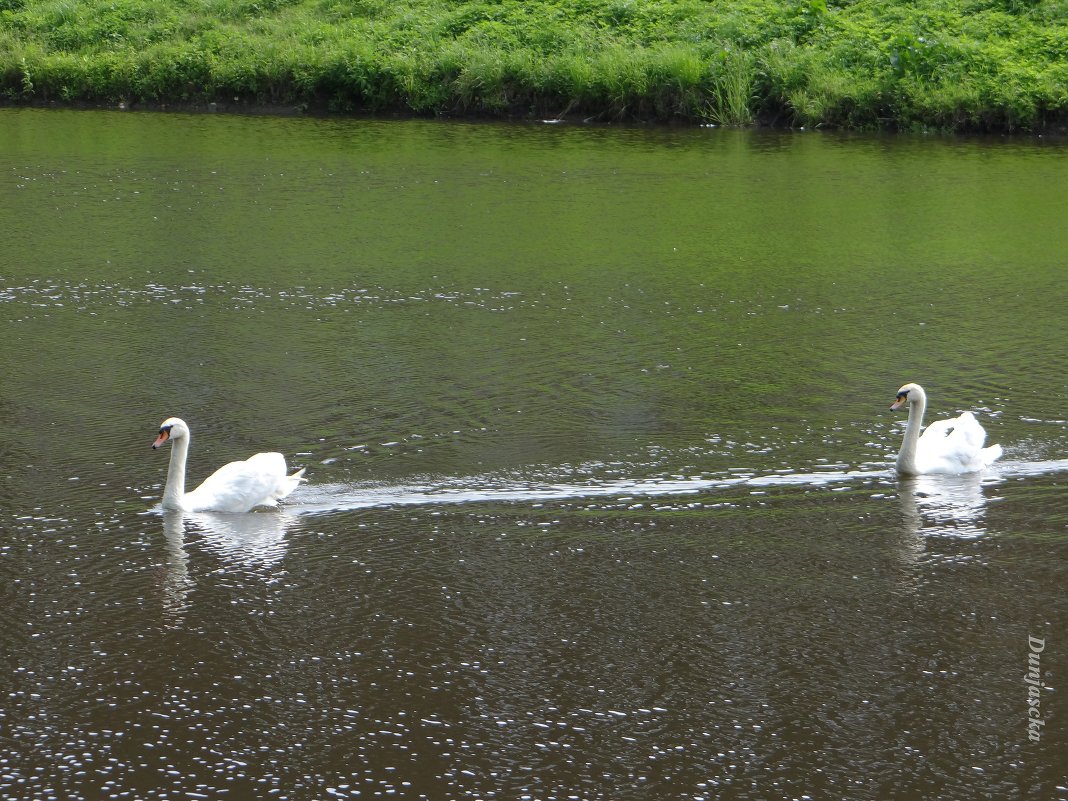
[996, 65]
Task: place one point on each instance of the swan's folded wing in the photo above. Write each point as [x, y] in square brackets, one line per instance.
[269, 464]
[260, 480]
[968, 433]
[955, 446]
[939, 429]
[275, 463]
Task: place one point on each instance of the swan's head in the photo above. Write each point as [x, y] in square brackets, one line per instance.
[171, 428]
[910, 393]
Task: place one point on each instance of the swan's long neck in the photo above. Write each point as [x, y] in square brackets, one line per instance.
[906, 457]
[174, 492]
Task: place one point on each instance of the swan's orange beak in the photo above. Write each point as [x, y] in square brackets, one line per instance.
[897, 404]
[163, 437]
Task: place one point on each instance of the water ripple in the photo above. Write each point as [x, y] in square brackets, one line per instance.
[325, 498]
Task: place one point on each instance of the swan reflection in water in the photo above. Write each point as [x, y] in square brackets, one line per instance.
[252, 541]
[955, 506]
[940, 505]
[255, 540]
[941, 515]
[176, 584]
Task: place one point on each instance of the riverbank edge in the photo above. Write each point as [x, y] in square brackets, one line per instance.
[939, 65]
[239, 107]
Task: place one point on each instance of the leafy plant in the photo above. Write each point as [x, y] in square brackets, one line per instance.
[950, 64]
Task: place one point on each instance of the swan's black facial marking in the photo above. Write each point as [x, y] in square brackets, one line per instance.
[164, 435]
[902, 395]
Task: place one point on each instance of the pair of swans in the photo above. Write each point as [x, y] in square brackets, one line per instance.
[946, 446]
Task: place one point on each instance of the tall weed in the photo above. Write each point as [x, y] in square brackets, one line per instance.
[733, 82]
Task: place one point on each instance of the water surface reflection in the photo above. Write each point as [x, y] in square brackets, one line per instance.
[938, 505]
[601, 501]
[177, 583]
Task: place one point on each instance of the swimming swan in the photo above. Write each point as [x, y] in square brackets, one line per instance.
[946, 446]
[260, 480]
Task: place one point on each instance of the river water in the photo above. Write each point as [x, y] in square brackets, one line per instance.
[600, 500]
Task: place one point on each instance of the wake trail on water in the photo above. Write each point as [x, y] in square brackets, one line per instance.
[338, 497]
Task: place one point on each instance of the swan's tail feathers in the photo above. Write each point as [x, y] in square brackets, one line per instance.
[293, 481]
[991, 454]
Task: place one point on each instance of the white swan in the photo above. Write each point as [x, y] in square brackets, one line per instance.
[946, 446]
[260, 480]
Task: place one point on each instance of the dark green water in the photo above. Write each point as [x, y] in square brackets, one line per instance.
[601, 501]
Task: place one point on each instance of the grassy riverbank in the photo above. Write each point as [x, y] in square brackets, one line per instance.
[946, 64]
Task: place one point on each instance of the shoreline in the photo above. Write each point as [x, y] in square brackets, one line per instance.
[242, 108]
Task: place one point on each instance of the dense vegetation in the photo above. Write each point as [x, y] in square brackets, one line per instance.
[946, 64]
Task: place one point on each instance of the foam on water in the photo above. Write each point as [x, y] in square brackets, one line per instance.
[339, 497]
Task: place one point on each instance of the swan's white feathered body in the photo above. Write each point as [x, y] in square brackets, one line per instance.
[260, 480]
[945, 446]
